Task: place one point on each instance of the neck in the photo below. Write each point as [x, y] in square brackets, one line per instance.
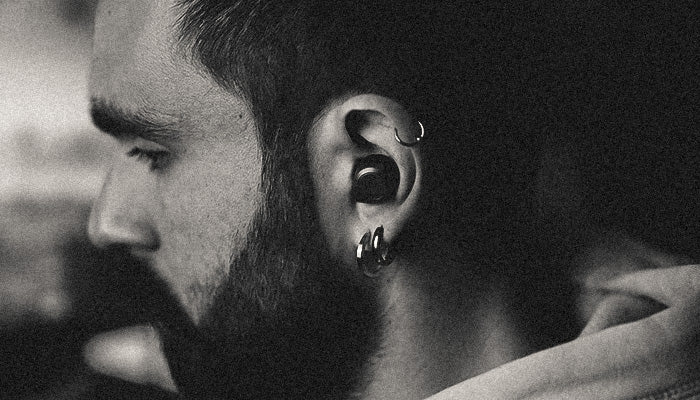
[437, 335]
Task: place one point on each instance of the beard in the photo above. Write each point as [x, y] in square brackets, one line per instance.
[287, 322]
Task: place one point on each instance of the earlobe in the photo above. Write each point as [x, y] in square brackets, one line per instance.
[366, 171]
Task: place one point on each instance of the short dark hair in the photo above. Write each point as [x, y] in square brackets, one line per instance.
[296, 55]
[462, 69]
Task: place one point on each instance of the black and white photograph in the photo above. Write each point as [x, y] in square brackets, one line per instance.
[349, 200]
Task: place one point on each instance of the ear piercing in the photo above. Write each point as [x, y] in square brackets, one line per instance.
[410, 142]
[355, 119]
[381, 247]
[373, 253]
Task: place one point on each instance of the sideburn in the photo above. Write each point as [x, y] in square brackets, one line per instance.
[289, 322]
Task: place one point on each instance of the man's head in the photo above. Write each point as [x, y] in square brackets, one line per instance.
[240, 125]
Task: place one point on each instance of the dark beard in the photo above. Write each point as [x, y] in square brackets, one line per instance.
[287, 323]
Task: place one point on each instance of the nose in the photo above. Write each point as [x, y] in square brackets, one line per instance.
[120, 214]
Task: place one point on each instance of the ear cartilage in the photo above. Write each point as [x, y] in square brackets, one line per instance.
[375, 179]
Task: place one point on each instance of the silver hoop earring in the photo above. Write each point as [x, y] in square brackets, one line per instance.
[373, 253]
[365, 256]
[416, 139]
[380, 248]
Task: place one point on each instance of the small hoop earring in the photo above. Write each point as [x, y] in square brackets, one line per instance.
[417, 138]
[380, 248]
[365, 257]
[373, 253]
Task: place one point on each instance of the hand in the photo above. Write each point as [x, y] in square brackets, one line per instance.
[621, 362]
[677, 289]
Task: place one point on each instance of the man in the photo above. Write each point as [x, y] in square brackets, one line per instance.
[284, 168]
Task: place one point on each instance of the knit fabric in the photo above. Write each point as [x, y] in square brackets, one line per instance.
[685, 391]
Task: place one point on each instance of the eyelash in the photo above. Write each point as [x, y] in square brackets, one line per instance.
[155, 159]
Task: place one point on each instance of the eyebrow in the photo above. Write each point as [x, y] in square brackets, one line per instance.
[123, 124]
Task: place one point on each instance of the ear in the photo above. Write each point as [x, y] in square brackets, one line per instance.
[352, 151]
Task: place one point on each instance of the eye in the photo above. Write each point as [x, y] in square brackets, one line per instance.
[156, 159]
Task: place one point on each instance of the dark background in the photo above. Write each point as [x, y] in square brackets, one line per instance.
[618, 180]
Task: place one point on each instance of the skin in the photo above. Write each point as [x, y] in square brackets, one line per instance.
[212, 174]
[187, 213]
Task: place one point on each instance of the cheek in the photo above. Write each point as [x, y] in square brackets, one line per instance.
[335, 208]
[215, 191]
[207, 205]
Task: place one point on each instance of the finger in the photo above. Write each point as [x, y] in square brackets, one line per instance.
[616, 309]
[680, 323]
[669, 286]
[617, 363]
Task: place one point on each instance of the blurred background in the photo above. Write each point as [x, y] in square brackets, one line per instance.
[68, 312]
[617, 190]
